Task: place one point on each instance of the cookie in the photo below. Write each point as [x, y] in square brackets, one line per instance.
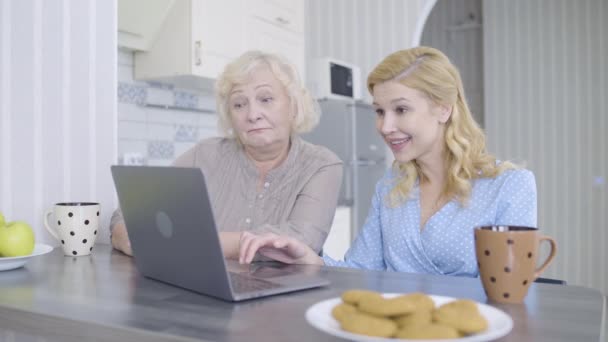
[462, 304]
[340, 311]
[417, 317]
[354, 296]
[427, 331]
[421, 301]
[360, 323]
[462, 315]
[383, 307]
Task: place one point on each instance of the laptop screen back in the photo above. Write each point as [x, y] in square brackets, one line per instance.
[171, 227]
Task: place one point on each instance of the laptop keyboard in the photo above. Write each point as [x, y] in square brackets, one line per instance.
[241, 283]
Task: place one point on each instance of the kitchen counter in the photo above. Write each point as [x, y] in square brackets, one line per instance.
[103, 298]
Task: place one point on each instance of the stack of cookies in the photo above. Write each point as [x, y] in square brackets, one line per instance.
[409, 316]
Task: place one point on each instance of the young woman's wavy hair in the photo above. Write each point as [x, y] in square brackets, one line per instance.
[429, 71]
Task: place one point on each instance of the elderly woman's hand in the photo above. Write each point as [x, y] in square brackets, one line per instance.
[281, 248]
[120, 239]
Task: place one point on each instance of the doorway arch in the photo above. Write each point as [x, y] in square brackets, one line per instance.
[427, 7]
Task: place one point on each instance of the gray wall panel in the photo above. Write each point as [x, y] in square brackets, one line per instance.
[545, 104]
[57, 107]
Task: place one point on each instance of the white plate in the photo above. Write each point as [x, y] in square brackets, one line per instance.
[319, 316]
[11, 263]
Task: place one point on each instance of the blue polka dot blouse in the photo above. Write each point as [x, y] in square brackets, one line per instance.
[391, 238]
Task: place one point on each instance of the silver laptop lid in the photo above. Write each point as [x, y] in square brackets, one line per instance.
[170, 223]
[171, 227]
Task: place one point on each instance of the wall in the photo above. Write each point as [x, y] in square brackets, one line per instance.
[149, 134]
[546, 85]
[361, 32]
[57, 106]
[455, 27]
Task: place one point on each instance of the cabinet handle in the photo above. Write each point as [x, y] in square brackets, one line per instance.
[282, 20]
[197, 52]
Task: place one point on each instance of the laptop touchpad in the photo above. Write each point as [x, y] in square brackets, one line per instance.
[274, 271]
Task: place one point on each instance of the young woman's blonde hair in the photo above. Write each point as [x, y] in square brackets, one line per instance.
[429, 71]
[305, 109]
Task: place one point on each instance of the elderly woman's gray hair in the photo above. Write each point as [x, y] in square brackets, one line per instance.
[306, 111]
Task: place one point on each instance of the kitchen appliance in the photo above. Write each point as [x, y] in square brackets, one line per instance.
[348, 128]
[334, 79]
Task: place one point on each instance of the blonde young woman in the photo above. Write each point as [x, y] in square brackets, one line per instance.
[261, 176]
[443, 182]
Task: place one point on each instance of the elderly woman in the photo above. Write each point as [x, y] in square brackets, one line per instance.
[261, 176]
[443, 182]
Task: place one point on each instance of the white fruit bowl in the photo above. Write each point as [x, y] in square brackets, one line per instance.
[11, 263]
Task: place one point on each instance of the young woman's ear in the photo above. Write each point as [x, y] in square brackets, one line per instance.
[444, 113]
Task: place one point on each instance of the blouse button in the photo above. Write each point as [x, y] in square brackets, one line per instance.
[248, 220]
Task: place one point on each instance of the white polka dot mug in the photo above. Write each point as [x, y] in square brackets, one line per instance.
[75, 226]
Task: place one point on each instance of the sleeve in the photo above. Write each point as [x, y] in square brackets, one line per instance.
[116, 219]
[314, 209]
[517, 203]
[367, 250]
[186, 159]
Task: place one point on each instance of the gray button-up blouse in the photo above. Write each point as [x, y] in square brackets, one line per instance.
[298, 198]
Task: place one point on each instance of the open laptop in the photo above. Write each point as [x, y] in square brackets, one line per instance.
[175, 240]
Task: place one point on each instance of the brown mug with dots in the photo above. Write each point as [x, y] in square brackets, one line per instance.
[506, 257]
[75, 225]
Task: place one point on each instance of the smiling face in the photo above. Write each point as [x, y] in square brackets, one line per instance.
[261, 111]
[411, 125]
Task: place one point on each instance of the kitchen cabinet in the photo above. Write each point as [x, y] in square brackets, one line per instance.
[136, 31]
[198, 38]
[264, 36]
[278, 26]
[286, 15]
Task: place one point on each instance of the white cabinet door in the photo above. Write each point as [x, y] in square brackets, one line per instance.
[217, 34]
[199, 37]
[284, 14]
[265, 36]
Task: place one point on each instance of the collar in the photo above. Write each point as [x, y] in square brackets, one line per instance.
[251, 170]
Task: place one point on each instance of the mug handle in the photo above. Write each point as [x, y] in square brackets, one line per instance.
[48, 226]
[553, 244]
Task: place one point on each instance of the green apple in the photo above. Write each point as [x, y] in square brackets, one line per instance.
[2, 221]
[16, 239]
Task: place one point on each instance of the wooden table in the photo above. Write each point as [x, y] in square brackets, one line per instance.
[103, 298]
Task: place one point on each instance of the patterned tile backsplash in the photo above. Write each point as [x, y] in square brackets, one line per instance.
[131, 93]
[185, 100]
[162, 149]
[156, 121]
[186, 133]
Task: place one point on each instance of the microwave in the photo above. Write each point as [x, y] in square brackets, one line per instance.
[334, 79]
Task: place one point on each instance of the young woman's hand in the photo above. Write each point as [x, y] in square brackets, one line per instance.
[281, 248]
